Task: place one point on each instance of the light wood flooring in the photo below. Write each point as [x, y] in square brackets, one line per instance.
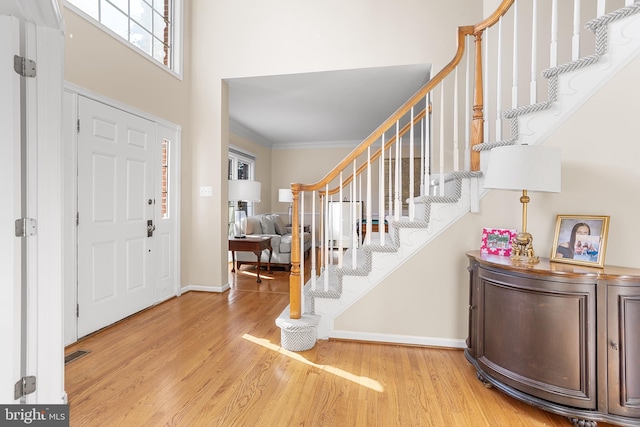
[208, 359]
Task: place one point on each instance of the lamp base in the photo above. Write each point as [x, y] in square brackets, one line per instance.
[522, 249]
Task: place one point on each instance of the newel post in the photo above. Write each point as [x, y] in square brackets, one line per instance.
[294, 277]
[477, 124]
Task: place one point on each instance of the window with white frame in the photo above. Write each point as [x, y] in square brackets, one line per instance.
[149, 25]
[241, 166]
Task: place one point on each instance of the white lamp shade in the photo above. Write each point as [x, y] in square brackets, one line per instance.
[244, 190]
[285, 195]
[524, 167]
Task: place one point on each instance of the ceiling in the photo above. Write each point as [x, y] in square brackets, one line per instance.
[323, 108]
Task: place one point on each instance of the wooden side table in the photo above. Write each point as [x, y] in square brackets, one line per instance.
[250, 244]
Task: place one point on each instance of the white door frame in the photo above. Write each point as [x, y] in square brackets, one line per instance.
[39, 305]
[165, 129]
[10, 186]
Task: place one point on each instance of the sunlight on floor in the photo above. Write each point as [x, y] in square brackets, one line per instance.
[363, 381]
[262, 276]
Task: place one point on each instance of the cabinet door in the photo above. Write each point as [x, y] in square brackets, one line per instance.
[624, 350]
[538, 336]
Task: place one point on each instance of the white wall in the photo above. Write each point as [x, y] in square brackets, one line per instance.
[428, 296]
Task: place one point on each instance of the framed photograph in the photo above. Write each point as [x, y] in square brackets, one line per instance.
[580, 239]
[497, 241]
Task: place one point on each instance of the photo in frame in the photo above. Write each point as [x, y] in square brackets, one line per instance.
[497, 241]
[580, 239]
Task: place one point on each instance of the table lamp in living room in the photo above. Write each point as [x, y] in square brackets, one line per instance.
[242, 190]
[524, 168]
[286, 196]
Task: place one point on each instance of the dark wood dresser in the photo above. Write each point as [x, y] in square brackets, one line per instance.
[563, 337]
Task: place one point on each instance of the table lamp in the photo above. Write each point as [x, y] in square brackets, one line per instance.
[524, 168]
[286, 196]
[242, 190]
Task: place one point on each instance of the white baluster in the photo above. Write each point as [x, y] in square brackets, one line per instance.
[422, 151]
[533, 86]
[499, 84]
[390, 185]
[396, 198]
[354, 218]
[575, 40]
[381, 211]
[301, 225]
[313, 240]
[456, 112]
[441, 108]
[411, 170]
[327, 253]
[427, 143]
[485, 80]
[368, 202]
[514, 77]
[467, 109]
[553, 51]
[601, 7]
[340, 224]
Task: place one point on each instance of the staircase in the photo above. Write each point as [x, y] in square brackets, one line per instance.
[458, 166]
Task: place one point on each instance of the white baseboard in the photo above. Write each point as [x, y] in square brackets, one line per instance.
[399, 339]
[206, 288]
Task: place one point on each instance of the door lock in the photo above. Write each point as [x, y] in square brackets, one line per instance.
[150, 228]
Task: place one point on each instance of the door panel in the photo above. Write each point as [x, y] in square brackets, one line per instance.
[116, 163]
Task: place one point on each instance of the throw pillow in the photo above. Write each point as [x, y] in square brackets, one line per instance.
[279, 223]
[268, 224]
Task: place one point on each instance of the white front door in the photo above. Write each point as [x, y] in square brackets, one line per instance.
[116, 196]
[11, 193]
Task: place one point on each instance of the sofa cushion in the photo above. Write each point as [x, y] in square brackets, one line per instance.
[268, 224]
[279, 224]
[253, 225]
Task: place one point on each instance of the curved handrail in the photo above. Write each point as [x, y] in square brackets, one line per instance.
[404, 109]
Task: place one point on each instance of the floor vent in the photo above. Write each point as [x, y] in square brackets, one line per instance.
[75, 356]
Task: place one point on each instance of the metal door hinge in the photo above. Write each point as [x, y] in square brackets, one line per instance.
[26, 385]
[77, 218]
[78, 125]
[78, 310]
[23, 66]
[26, 227]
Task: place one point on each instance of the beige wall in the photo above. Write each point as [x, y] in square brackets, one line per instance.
[600, 147]
[240, 39]
[98, 62]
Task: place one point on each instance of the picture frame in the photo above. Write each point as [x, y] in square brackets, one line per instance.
[497, 241]
[580, 239]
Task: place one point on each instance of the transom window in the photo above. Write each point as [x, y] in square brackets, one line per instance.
[146, 24]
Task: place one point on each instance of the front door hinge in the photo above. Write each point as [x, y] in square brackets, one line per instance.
[78, 125]
[26, 385]
[26, 227]
[23, 66]
[78, 311]
[77, 218]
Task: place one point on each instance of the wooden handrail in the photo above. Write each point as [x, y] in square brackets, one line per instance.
[400, 112]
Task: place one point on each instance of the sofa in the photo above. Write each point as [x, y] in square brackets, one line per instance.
[272, 225]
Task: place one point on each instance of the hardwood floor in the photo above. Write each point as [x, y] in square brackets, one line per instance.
[207, 359]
